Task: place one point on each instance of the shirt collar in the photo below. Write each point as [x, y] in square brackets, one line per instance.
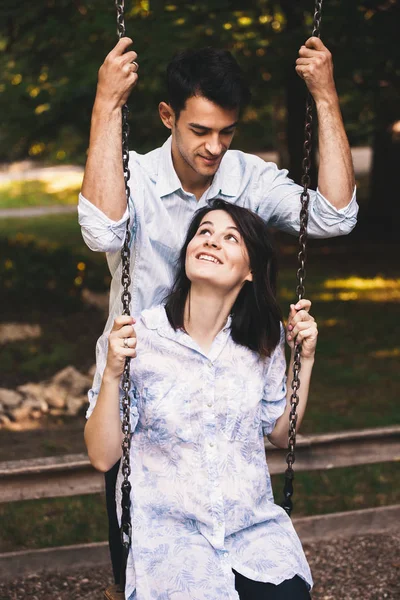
[167, 179]
[225, 182]
[156, 318]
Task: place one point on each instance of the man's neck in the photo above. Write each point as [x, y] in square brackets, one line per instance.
[206, 312]
[191, 182]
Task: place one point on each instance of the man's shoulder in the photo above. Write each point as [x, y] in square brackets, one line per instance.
[153, 318]
[148, 162]
[245, 162]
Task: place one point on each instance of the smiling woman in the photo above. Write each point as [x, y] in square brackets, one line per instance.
[208, 382]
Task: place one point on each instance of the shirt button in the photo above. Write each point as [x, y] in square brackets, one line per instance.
[211, 444]
[210, 365]
[209, 404]
[220, 523]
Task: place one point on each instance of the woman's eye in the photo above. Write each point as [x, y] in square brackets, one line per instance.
[203, 231]
[232, 237]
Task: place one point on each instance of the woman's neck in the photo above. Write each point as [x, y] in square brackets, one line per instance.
[206, 313]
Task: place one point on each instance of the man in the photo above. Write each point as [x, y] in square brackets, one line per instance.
[206, 95]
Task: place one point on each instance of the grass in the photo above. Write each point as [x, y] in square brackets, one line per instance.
[82, 519]
[27, 193]
[59, 229]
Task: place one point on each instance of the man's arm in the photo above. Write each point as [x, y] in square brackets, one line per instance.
[103, 183]
[336, 174]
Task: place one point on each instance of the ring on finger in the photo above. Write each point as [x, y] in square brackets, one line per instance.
[135, 63]
[126, 345]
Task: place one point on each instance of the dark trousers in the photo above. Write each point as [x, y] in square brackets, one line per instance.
[114, 538]
[291, 589]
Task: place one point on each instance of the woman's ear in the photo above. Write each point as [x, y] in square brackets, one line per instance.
[249, 276]
[167, 115]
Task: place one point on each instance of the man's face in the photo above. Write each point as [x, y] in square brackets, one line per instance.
[203, 133]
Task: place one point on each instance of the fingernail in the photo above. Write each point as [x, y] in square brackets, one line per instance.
[289, 337]
[290, 327]
[298, 305]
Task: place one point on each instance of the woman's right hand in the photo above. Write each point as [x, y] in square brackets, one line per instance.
[121, 343]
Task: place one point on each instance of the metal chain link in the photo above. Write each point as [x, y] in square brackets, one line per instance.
[126, 526]
[301, 275]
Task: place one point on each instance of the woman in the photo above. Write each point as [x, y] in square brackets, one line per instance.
[209, 380]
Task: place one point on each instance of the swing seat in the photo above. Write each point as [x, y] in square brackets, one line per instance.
[113, 593]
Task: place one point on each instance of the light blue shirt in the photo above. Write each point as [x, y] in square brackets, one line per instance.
[160, 213]
[202, 500]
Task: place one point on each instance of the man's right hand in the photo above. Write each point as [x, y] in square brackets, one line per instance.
[117, 76]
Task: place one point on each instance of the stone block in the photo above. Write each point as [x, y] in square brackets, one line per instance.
[10, 398]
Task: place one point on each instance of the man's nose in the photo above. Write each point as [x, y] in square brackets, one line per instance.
[214, 147]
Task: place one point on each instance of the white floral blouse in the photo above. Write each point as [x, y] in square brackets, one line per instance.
[202, 501]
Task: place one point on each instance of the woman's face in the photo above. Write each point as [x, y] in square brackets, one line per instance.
[217, 253]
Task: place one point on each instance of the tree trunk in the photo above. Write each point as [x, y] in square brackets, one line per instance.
[296, 94]
[383, 208]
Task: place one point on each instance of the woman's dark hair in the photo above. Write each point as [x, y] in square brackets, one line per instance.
[209, 72]
[256, 315]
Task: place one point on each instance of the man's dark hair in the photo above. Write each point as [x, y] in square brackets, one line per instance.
[256, 315]
[209, 72]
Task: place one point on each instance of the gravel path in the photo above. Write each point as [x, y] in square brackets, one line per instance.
[358, 568]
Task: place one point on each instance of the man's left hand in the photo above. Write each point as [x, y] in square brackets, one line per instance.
[315, 66]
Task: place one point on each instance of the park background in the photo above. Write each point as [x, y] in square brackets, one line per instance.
[53, 288]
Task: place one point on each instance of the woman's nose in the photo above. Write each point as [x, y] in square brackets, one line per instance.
[211, 242]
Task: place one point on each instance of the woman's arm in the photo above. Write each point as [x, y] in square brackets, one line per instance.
[103, 435]
[302, 328]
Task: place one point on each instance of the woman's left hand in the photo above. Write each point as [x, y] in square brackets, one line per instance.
[302, 329]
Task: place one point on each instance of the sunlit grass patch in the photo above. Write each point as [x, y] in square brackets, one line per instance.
[63, 189]
[376, 289]
[386, 353]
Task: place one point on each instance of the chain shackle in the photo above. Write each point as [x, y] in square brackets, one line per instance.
[287, 503]
[126, 526]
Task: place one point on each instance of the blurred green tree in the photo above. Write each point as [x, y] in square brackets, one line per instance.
[50, 53]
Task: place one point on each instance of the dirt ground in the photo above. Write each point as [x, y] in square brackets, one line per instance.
[359, 568]
[49, 437]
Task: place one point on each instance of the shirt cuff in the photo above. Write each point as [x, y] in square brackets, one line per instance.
[100, 233]
[343, 219]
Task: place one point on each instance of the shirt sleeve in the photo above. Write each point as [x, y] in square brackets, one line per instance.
[93, 394]
[100, 233]
[279, 204]
[274, 396]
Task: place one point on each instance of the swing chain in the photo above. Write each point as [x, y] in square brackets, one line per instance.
[120, 6]
[287, 504]
[126, 526]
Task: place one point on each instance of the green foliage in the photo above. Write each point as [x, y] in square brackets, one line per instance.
[50, 53]
[44, 273]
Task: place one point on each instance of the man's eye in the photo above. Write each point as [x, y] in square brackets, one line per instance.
[228, 132]
[199, 133]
